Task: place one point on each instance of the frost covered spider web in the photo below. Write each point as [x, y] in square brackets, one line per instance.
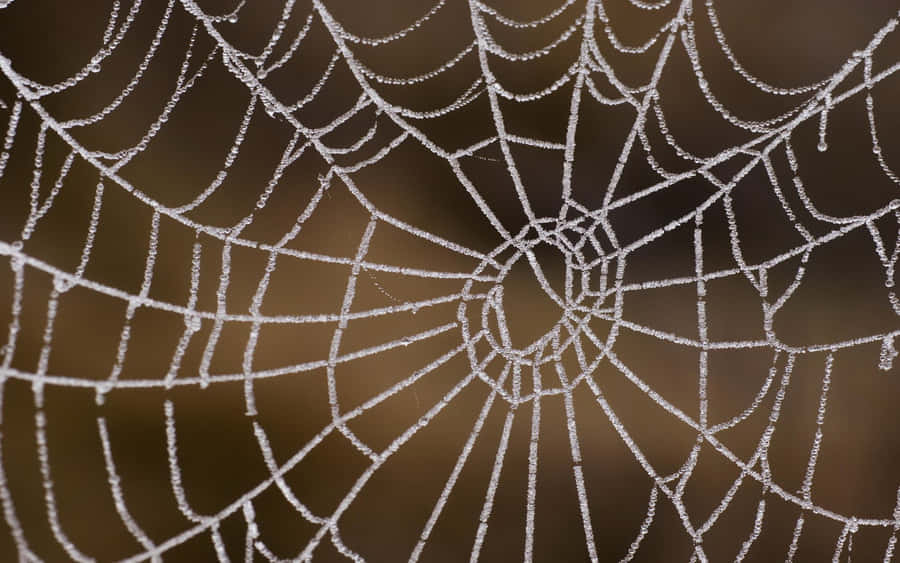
[504, 307]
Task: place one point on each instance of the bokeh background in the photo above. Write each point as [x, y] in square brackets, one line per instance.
[843, 295]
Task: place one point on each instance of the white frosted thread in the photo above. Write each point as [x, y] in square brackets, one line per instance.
[50, 503]
[391, 449]
[10, 137]
[505, 20]
[192, 323]
[396, 35]
[645, 526]
[111, 24]
[317, 87]
[287, 493]
[218, 323]
[262, 286]
[478, 25]
[37, 170]
[94, 64]
[229, 160]
[702, 328]
[531, 491]
[88, 247]
[806, 488]
[38, 212]
[289, 52]
[252, 530]
[115, 484]
[823, 124]
[9, 509]
[739, 68]
[415, 79]
[135, 79]
[457, 469]
[877, 149]
[846, 534]
[175, 468]
[218, 544]
[577, 461]
[349, 294]
[125, 334]
[769, 135]
[15, 324]
[488, 505]
[286, 12]
[757, 530]
[182, 86]
[795, 539]
[892, 543]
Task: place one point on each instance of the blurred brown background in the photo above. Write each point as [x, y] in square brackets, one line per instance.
[843, 295]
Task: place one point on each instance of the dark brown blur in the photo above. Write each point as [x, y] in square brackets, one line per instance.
[842, 296]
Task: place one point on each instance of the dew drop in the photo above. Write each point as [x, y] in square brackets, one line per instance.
[61, 285]
[887, 355]
[192, 323]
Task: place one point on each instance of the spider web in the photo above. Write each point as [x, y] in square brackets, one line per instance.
[509, 300]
